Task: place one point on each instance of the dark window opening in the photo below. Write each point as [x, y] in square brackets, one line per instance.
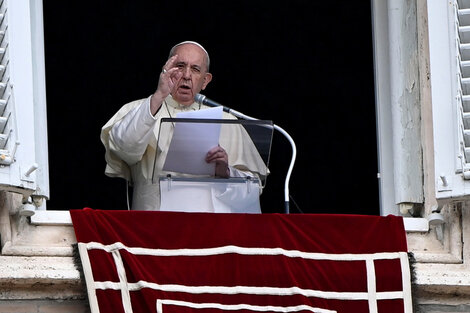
[305, 66]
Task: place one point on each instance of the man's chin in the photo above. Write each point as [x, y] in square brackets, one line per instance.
[185, 98]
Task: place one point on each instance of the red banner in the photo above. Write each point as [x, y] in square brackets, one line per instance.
[166, 262]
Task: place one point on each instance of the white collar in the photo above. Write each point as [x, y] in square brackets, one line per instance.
[176, 105]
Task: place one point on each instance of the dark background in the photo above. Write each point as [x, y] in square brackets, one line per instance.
[306, 65]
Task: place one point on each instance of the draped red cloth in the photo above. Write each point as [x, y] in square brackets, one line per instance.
[139, 261]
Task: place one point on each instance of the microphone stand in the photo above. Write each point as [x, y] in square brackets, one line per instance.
[294, 154]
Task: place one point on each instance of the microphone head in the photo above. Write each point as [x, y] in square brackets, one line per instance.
[199, 98]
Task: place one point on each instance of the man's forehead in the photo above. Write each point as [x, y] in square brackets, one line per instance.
[190, 54]
[189, 49]
[188, 42]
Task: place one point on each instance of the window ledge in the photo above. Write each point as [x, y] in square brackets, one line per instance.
[416, 224]
[62, 218]
[51, 218]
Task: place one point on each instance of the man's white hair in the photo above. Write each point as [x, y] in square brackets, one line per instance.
[172, 51]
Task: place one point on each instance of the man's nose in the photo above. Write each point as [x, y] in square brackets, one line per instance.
[187, 72]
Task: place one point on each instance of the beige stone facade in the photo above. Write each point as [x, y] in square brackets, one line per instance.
[38, 273]
[37, 269]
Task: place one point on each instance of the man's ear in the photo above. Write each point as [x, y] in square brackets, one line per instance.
[207, 80]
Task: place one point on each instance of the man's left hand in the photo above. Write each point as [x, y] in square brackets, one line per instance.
[218, 156]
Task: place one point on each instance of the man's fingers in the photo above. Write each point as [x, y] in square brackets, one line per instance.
[169, 65]
[216, 154]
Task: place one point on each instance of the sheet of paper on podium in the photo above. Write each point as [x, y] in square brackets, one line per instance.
[192, 141]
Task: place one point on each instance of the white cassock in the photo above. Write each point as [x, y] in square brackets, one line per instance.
[134, 152]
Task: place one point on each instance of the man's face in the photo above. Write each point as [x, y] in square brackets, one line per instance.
[191, 62]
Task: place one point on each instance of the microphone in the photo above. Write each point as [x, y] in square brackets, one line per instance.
[201, 99]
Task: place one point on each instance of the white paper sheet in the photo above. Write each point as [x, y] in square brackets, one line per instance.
[192, 141]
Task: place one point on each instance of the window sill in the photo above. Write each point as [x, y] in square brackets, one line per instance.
[51, 218]
[62, 218]
[416, 224]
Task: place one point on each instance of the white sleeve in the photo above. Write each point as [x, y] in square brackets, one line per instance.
[131, 135]
[238, 173]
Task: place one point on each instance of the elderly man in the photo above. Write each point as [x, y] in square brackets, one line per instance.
[131, 135]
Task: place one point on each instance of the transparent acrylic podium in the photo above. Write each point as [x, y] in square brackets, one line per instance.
[188, 184]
